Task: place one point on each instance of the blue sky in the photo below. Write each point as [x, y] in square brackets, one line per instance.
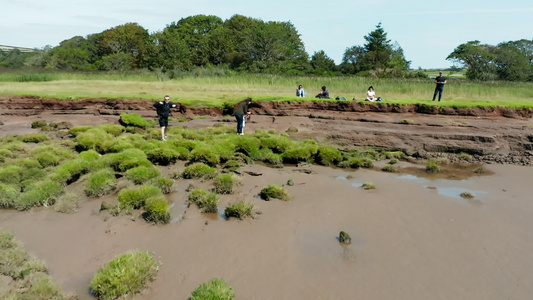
[428, 31]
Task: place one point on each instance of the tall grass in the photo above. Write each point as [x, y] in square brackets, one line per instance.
[218, 90]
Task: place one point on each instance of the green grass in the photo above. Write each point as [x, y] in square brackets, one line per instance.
[274, 191]
[215, 289]
[226, 183]
[125, 275]
[206, 201]
[157, 210]
[100, 183]
[216, 91]
[239, 210]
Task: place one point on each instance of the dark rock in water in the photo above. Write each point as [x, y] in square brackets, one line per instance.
[253, 173]
[345, 238]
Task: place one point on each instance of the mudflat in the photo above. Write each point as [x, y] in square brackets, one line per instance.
[412, 237]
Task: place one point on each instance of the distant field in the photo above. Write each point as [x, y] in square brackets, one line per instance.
[217, 90]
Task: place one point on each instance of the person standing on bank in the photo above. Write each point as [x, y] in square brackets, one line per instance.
[241, 112]
[440, 81]
[163, 110]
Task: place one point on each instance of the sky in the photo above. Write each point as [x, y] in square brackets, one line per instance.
[428, 31]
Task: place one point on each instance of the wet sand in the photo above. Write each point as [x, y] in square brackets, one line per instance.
[412, 238]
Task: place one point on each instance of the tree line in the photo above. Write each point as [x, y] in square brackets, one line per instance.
[246, 44]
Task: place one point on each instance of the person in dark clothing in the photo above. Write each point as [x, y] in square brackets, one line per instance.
[440, 81]
[163, 110]
[324, 94]
[241, 112]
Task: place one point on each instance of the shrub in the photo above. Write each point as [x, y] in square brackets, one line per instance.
[296, 155]
[157, 210]
[215, 289]
[67, 203]
[239, 210]
[133, 120]
[231, 165]
[163, 156]
[101, 182]
[43, 193]
[127, 159]
[248, 145]
[200, 171]
[126, 274]
[8, 195]
[225, 183]
[278, 144]
[34, 138]
[432, 166]
[135, 197]
[354, 162]
[164, 184]
[274, 191]
[142, 174]
[328, 155]
[368, 186]
[205, 200]
[393, 161]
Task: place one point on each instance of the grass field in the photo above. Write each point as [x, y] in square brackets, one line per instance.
[217, 90]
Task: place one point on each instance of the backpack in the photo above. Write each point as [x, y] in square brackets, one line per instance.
[340, 98]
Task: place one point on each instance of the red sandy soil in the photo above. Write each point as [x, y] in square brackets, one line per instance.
[412, 238]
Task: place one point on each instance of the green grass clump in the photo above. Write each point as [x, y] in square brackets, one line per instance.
[113, 129]
[163, 156]
[142, 174]
[43, 193]
[127, 159]
[67, 203]
[89, 155]
[239, 210]
[215, 289]
[135, 197]
[357, 162]
[226, 183]
[34, 138]
[389, 168]
[8, 195]
[70, 171]
[200, 171]
[394, 154]
[406, 121]
[465, 156]
[432, 166]
[100, 183]
[93, 139]
[231, 165]
[166, 185]
[205, 200]
[133, 119]
[344, 237]
[274, 191]
[125, 275]
[157, 210]
[47, 159]
[75, 131]
[277, 143]
[205, 154]
[38, 124]
[328, 155]
[368, 186]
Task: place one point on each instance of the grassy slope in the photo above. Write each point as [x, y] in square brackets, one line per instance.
[215, 91]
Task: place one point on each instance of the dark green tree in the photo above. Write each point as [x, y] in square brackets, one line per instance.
[71, 54]
[351, 58]
[479, 59]
[322, 64]
[130, 42]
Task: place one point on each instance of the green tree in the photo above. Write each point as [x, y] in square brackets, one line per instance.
[71, 54]
[195, 31]
[477, 58]
[322, 64]
[129, 40]
[514, 60]
[350, 60]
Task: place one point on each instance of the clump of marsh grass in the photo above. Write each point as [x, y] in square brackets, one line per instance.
[163, 156]
[134, 120]
[481, 170]
[34, 138]
[344, 237]
[206, 201]
[42, 193]
[274, 191]
[125, 275]
[239, 210]
[142, 174]
[165, 184]
[406, 121]
[199, 171]
[389, 168]
[67, 203]
[226, 183]
[157, 210]
[135, 197]
[432, 166]
[328, 155]
[216, 288]
[368, 186]
[100, 183]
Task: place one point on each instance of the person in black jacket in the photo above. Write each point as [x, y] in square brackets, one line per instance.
[241, 112]
[163, 110]
[324, 94]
